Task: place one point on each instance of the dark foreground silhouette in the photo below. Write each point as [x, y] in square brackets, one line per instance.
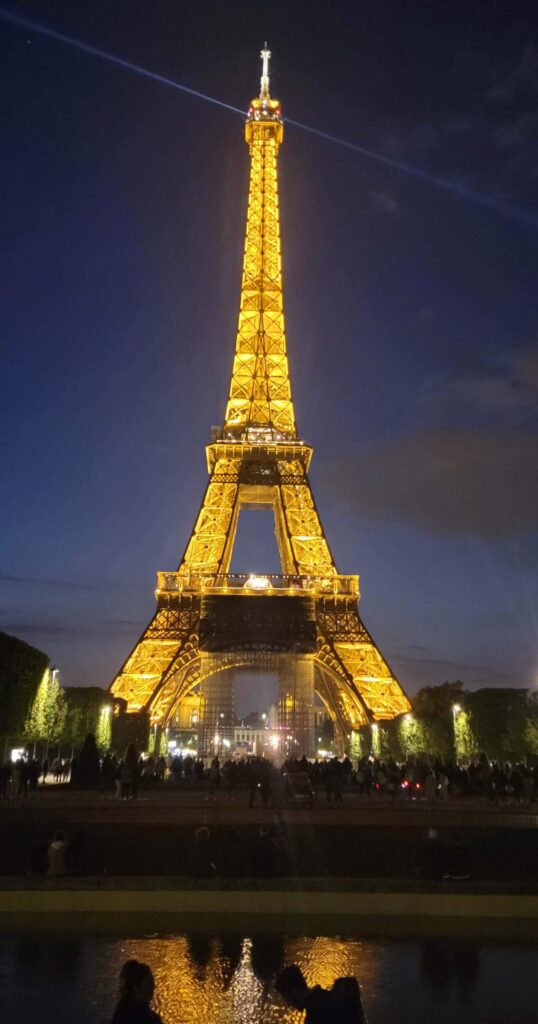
[342, 1004]
[137, 986]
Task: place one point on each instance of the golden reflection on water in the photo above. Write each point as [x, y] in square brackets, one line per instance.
[205, 980]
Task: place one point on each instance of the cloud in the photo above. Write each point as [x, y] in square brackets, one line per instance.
[520, 78]
[84, 628]
[506, 391]
[447, 482]
[490, 144]
[454, 669]
[69, 584]
[385, 201]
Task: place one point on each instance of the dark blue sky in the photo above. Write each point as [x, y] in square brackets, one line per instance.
[411, 314]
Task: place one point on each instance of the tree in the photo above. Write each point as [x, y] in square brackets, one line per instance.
[74, 730]
[104, 727]
[84, 716]
[502, 722]
[438, 700]
[21, 672]
[47, 716]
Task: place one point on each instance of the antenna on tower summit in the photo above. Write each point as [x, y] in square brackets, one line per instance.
[264, 80]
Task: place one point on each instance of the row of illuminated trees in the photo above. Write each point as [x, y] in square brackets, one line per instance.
[63, 717]
[447, 721]
[37, 713]
[453, 724]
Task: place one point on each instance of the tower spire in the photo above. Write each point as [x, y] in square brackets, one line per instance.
[259, 404]
[264, 80]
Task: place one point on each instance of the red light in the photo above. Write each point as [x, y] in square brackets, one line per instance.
[418, 785]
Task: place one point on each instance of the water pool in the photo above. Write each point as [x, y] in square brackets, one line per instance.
[62, 978]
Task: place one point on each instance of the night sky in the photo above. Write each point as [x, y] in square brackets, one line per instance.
[412, 318]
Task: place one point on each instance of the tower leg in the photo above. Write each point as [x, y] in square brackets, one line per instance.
[296, 705]
[217, 715]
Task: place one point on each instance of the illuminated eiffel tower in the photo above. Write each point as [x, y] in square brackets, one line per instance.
[303, 625]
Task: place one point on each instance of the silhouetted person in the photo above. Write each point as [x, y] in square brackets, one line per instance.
[34, 771]
[340, 1005]
[431, 857]
[5, 775]
[137, 986]
[130, 773]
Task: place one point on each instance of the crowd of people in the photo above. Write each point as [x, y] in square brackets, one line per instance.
[417, 779]
[426, 780]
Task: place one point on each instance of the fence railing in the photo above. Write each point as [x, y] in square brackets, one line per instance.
[251, 584]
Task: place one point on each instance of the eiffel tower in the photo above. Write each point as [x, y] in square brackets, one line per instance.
[302, 625]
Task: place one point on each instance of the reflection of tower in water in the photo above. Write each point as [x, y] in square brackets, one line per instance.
[202, 979]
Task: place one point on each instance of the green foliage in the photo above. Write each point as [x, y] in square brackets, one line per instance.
[500, 724]
[47, 716]
[465, 741]
[84, 716]
[530, 736]
[438, 700]
[360, 744]
[21, 671]
[104, 728]
[502, 721]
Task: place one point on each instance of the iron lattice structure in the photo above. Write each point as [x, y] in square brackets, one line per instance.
[208, 620]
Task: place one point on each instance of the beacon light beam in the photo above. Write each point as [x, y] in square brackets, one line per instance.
[456, 188]
[490, 202]
[59, 37]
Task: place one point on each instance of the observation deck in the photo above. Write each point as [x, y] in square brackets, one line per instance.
[257, 445]
[252, 585]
